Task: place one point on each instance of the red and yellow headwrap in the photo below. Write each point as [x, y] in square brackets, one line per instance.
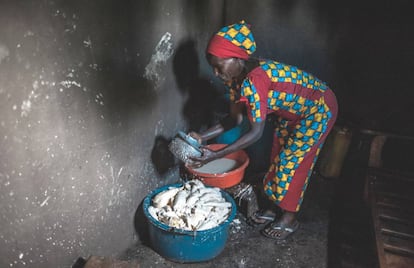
[233, 41]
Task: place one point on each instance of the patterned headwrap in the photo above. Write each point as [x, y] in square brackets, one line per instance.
[233, 41]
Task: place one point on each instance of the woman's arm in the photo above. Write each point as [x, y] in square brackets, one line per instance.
[234, 118]
[244, 141]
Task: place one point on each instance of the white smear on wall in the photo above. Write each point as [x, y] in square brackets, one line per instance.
[69, 83]
[99, 99]
[35, 85]
[159, 127]
[163, 51]
[87, 43]
[45, 201]
[4, 52]
[26, 107]
[28, 33]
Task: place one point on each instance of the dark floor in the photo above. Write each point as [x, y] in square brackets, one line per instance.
[335, 229]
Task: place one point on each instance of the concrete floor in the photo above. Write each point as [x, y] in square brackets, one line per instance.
[246, 247]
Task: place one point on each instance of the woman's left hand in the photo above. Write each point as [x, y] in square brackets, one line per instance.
[206, 156]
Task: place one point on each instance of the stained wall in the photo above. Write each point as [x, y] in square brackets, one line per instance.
[89, 99]
[91, 93]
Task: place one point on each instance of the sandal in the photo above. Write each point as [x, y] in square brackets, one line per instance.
[261, 217]
[284, 230]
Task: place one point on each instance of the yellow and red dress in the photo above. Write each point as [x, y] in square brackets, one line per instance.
[307, 110]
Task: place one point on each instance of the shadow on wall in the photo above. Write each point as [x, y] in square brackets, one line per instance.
[141, 225]
[162, 159]
[199, 109]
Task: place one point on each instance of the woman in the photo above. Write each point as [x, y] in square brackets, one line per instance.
[306, 108]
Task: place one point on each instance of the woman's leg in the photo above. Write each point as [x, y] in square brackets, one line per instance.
[268, 214]
[293, 169]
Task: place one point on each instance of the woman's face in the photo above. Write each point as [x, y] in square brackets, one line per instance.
[226, 69]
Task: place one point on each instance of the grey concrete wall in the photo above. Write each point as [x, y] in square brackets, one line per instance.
[92, 91]
[89, 98]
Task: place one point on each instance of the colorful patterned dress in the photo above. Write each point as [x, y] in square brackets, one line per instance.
[307, 111]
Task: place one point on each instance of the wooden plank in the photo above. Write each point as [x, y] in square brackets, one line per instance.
[398, 261]
[387, 134]
[377, 228]
[394, 195]
[399, 248]
[390, 203]
[395, 233]
[399, 205]
[391, 173]
[396, 215]
[389, 195]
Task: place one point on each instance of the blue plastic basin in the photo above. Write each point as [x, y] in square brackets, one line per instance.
[187, 246]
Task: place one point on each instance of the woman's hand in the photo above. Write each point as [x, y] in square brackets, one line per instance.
[196, 136]
[206, 156]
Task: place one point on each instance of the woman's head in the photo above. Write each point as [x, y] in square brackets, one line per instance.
[229, 48]
[233, 41]
[226, 69]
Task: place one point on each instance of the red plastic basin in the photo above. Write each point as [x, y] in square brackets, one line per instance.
[226, 179]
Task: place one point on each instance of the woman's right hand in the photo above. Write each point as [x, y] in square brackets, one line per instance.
[196, 136]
